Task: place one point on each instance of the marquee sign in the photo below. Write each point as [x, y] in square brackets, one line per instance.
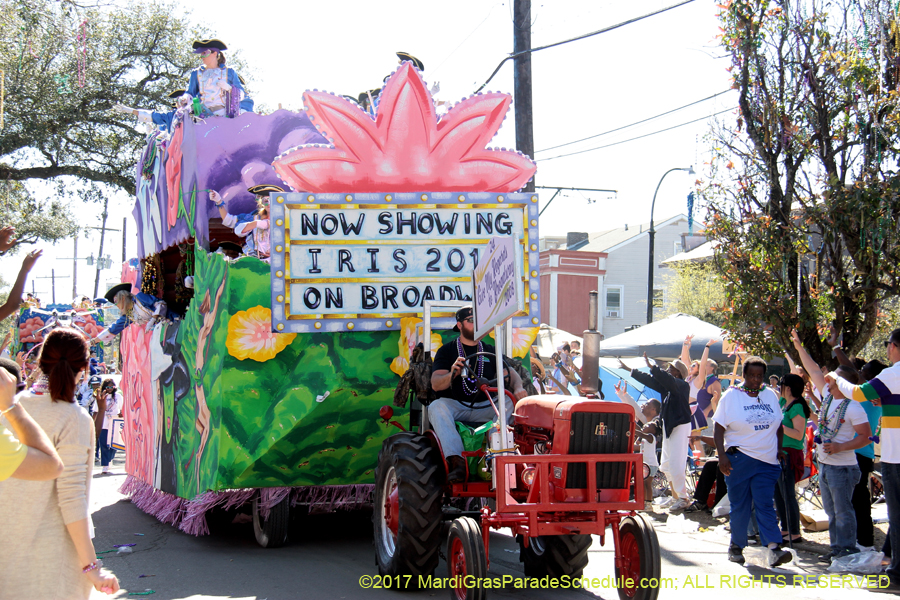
[344, 262]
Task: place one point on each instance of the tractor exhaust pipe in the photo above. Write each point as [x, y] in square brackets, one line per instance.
[590, 364]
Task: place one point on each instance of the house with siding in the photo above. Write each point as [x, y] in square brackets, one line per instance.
[614, 263]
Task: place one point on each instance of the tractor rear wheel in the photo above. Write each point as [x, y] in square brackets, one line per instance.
[466, 560]
[639, 550]
[407, 513]
[272, 531]
[555, 555]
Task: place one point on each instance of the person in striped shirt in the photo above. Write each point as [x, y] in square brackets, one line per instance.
[884, 390]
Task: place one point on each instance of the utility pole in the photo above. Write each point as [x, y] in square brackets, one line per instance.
[52, 279]
[124, 229]
[100, 254]
[75, 269]
[522, 87]
[103, 229]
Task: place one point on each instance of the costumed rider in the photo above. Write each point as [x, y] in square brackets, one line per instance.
[161, 120]
[217, 90]
[140, 308]
[370, 99]
[253, 227]
[459, 398]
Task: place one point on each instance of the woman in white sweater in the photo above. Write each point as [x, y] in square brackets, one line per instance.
[46, 540]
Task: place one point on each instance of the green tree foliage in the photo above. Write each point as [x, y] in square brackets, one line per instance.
[805, 176]
[66, 64]
[34, 219]
[696, 289]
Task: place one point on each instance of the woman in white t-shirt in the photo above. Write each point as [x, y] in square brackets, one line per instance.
[748, 437]
[843, 426]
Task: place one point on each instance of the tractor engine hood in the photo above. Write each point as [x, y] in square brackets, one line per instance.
[540, 411]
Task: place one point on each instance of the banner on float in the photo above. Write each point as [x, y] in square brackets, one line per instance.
[361, 262]
[496, 285]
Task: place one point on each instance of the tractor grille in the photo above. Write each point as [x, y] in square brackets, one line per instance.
[599, 433]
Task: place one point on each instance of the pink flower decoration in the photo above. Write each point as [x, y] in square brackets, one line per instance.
[405, 148]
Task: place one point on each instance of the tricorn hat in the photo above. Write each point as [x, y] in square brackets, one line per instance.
[176, 94]
[213, 44]
[231, 246]
[415, 61]
[111, 294]
[264, 189]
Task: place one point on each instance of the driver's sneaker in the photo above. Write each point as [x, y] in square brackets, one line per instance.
[696, 506]
[735, 554]
[780, 557]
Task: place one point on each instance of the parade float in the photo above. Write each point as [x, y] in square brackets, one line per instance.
[33, 324]
[266, 391]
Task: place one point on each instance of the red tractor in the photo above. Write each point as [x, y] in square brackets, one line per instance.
[571, 474]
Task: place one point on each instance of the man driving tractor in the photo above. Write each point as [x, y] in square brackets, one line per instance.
[460, 398]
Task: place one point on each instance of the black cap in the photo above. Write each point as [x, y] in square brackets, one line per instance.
[111, 294]
[415, 61]
[461, 315]
[213, 44]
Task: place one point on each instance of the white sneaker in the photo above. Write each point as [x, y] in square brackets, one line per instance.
[106, 469]
[669, 501]
[679, 504]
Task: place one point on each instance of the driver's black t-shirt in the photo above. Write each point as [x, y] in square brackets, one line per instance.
[447, 355]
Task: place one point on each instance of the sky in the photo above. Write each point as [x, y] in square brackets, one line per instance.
[580, 89]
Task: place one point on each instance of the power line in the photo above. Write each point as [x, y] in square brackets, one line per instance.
[581, 37]
[638, 137]
[635, 123]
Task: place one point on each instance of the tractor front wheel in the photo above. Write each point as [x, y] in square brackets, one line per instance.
[407, 513]
[466, 560]
[555, 555]
[639, 551]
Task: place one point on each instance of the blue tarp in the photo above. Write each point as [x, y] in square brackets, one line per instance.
[610, 377]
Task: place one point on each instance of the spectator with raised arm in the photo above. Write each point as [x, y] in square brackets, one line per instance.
[15, 294]
[884, 390]
[842, 428]
[702, 401]
[676, 420]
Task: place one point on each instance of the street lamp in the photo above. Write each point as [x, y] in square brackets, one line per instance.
[652, 232]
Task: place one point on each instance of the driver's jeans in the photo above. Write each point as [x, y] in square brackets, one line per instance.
[444, 411]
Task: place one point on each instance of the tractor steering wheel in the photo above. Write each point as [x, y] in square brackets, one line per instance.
[469, 372]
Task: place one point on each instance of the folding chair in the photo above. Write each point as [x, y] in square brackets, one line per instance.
[808, 488]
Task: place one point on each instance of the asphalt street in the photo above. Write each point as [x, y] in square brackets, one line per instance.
[329, 555]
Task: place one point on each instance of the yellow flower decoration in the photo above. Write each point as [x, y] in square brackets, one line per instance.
[522, 340]
[408, 341]
[250, 335]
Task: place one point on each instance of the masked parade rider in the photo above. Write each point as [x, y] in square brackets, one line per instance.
[254, 226]
[461, 400]
[140, 308]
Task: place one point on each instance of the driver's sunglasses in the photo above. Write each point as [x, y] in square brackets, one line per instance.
[888, 343]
